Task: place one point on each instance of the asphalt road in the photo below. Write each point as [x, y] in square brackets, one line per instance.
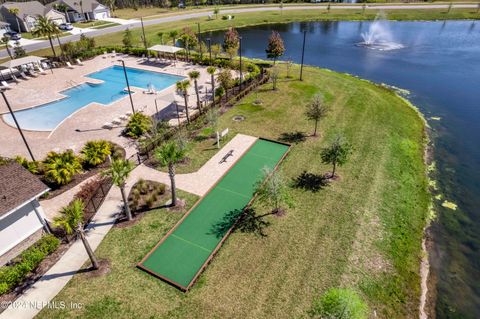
[136, 24]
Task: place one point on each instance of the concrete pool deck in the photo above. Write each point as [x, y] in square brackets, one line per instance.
[86, 123]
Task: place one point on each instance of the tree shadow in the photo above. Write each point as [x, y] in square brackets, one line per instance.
[310, 182]
[247, 221]
[293, 137]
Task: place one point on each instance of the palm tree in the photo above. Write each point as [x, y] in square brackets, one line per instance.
[170, 154]
[119, 172]
[62, 7]
[4, 40]
[47, 28]
[182, 89]
[61, 167]
[173, 35]
[211, 70]
[71, 221]
[96, 152]
[195, 75]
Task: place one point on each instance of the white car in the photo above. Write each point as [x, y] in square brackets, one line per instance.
[65, 26]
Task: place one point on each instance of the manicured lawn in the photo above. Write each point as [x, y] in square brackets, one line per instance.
[90, 24]
[363, 231]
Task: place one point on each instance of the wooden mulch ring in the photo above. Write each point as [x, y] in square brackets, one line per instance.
[123, 222]
[103, 269]
[279, 212]
[329, 178]
[179, 207]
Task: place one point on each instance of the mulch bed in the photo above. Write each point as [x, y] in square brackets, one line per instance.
[42, 268]
[103, 269]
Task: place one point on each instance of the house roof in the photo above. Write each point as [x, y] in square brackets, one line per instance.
[17, 186]
[87, 5]
[29, 8]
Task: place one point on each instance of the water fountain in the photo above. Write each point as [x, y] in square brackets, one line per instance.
[379, 36]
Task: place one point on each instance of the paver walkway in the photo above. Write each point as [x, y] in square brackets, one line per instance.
[53, 281]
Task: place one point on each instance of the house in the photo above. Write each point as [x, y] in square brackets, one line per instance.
[22, 220]
[22, 16]
[82, 10]
[4, 27]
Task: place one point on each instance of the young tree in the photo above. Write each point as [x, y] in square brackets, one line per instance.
[211, 70]
[127, 38]
[119, 172]
[173, 35]
[328, 7]
[182, 89]
[275, 48]
[71, 221]
[194, 76]
[231, 42]
[18, 50]
[4, 41]
[336, 153]
[216, 11]
[274, 75]
[46, 28]
[188, 39]
[272, 189]
[316, 110]
[212, 119]
[224, 78]
[169, 154]
[216, 50]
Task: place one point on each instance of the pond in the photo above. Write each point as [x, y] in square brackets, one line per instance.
[439, 63]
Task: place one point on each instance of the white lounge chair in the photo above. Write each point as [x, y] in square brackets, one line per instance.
[128, 113]
[32, 73]
[107, 125]
[15, 78]
[114, 53]
[5, 85]
[124, 117]
[105, 54]
[79, 62]
[42, 71]
[116, 121]
[23, 75]
[69, 65]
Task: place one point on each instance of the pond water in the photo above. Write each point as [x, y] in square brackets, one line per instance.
[439, 63]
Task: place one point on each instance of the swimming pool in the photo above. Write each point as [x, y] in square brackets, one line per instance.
[48, 116]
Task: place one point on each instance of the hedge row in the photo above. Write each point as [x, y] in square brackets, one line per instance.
[12, 275]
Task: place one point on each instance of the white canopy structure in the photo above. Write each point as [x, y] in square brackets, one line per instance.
[21, 61]
[160, 48]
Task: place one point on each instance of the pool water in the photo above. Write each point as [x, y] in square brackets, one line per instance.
[48, 116]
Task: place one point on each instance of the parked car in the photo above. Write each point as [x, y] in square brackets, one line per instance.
[65, 26]
[13, 35]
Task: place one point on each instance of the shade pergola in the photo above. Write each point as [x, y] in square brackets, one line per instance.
[21, 61]
[160, 48]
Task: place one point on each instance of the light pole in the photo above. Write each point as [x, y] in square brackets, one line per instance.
[200, 41]
[241, 74]
[128, 85]
[210, 50]
[143, 31]
[303, 54]
[18, 125]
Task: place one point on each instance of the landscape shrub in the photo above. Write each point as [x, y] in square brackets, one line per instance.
[32, 166]
[14, 274]
[61, 167]
[339, 303]
[138, 125]
[96, 152]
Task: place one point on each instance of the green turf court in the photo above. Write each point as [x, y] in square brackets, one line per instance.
[181, 255]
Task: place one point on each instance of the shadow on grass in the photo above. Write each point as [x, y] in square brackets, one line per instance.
[248, 222]
[293, 137]
[310, 182]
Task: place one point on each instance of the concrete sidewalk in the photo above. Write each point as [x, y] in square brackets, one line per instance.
[52, 282]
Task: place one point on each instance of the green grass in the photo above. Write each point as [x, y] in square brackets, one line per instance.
[90, 24]
[362, 232]
[103, 26]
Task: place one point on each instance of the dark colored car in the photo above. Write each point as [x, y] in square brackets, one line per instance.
[13, 35]
[65, 26]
